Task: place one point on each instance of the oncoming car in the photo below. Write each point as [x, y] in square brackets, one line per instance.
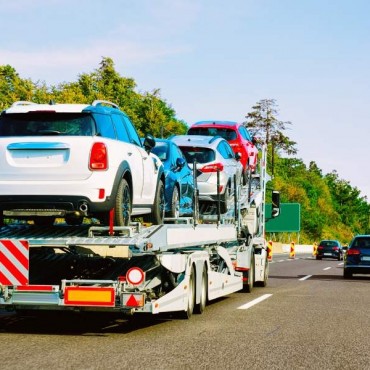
[179, 183]
[212, 155]
[357, 259]
[76, 161]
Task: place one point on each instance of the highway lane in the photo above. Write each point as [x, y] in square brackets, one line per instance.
[308, 317]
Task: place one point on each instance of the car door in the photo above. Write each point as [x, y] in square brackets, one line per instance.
[185, 179]
[144, 169]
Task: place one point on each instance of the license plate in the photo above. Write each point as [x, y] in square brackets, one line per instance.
[327, 254]
[365, 258]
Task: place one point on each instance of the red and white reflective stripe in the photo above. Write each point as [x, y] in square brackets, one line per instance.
[14, 262]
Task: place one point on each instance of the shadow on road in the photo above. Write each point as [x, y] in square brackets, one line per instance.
[86, 323]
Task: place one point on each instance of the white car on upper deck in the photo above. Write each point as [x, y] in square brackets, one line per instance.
[75, 161]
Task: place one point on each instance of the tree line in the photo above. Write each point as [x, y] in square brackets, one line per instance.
[330, 207]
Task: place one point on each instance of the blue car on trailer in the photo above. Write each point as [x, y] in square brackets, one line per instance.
[179, 179]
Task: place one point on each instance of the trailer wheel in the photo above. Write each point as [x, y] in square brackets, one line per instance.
[199, 308]
[190, 297]
[250, 276]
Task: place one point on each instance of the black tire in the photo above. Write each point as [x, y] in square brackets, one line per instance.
[347, 274]
[318, 258]
[157, 215]
[225, 199]
[191, 297]
[175, 204]
[250, 276]
[123, 205]
[246, 176]
[44, 220]
[201, 306]
[73, 220]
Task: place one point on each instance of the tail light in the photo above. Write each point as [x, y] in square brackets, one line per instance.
[353, 252]
[335, 249]
[98, 157]
[320, 247]
[214, 167]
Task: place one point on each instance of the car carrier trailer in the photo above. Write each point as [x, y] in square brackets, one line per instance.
[175, 267]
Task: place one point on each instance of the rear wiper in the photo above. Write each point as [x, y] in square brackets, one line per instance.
[49, 132]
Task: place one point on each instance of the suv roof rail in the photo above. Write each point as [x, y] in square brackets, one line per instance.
[22, 102]
[100, 102]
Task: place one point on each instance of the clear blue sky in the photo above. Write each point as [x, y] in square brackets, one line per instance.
[214, 59]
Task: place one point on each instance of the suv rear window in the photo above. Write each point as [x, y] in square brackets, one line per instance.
[201, 155]
[329, 243]
[46, 123]
[361, 243]
[225, 133]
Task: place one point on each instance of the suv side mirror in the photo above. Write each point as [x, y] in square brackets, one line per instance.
[149, 143]
[275, 209]
[180, 162]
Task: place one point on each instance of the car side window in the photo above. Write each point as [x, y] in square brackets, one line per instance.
[134, 137]
[122, 134]
[105, 125]
[225, 150]
[244, 133]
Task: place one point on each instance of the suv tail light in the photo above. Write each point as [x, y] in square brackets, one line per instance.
[98, 157]
[335, 249]
[320, 247]
[214, 167]
[353, 252]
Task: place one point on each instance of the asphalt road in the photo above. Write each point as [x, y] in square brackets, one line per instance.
[308, 317]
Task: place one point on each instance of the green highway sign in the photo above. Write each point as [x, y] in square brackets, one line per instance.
[289, 219]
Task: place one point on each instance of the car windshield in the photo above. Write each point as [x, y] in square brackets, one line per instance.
[46, 123]
[225, 133]
[161, 150]
[198, 154]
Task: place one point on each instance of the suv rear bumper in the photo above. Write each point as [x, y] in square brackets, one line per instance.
[22, 204]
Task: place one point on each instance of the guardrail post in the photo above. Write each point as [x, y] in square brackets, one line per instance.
[314, 252]
[269, 250]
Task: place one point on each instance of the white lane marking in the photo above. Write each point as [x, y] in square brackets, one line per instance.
[305, 277]
[340, 264]
[255, 301]
[327, 268]
[281, 260]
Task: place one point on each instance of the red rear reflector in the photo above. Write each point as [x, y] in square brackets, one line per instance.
[98, 157]
[241, 268]
[101, 193]
[353, 252]
[132, 302]
[38, 288]
[214, 167]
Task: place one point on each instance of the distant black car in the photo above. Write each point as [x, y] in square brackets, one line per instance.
[357, 259]
[329, 249]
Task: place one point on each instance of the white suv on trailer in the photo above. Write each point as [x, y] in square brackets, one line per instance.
[75, 161]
